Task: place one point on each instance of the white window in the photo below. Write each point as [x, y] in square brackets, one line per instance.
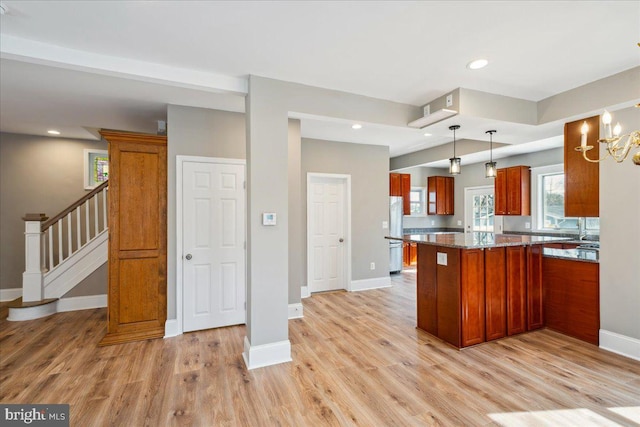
[416, 200]
[548, 210]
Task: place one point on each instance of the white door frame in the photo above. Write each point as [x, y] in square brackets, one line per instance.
[180, 160]
[347, 221]
[467, 208]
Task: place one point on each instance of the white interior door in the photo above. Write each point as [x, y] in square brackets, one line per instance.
[213, 262]
[479, 209]
[326, 209]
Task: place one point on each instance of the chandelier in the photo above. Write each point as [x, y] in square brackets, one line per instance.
[618, 146]
[454, 162]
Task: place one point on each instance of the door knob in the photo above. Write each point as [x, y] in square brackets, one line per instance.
[341, 240]
[188, 257]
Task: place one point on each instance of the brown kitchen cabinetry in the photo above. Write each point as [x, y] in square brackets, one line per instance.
[513, 191]
[440, 199]
[535, 296]
[426, 286]
[495, 293]
[581, 178]
[516, 264]
[572, 298]
[409, 254]
[137, 284]
[400, 185]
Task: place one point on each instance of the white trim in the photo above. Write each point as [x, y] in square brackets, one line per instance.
[73, 270]
[620, 344]
[35, 52]
[304, 292]
[88, 168]
[82, 303]
[10, 294]
[346, 178]
[367, 284]
[171, 328]
[467, 206]
[296, 311]
[259, 356]
[30, 313]
[178, 327]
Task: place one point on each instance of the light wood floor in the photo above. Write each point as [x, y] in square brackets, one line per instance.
[357, 360]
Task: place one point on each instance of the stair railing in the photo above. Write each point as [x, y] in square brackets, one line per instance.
[49, 242]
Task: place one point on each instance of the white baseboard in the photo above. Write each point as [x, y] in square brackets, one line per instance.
[304, 292]
[31, 313]
[367, 284]
[10, 294]
[296, 311]
[171, 328]
[82, 303]
[621, 344]
[258, 356]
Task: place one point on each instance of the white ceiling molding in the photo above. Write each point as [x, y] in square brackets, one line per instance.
[21, 49]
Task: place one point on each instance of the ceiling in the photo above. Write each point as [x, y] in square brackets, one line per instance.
[407, 52]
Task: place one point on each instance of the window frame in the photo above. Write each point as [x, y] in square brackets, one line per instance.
[422, 203]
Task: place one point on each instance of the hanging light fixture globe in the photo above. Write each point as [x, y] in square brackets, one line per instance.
[490, 168]
[454, 162]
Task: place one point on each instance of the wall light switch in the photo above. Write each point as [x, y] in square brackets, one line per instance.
[441, 258]
[385, 225]
[372, 266]
[459, 222]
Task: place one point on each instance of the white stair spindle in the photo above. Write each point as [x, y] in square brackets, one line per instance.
[50, 236]
[86, 220]
[78, 228]
[60, 240]
[69, 234]
[104, 208]
[97, 215]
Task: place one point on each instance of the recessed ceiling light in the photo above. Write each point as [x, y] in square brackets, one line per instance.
[53, 132]
[427, 134]
[477, 64]
[356, 126]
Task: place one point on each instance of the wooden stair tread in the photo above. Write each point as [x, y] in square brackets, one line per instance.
[18, 303]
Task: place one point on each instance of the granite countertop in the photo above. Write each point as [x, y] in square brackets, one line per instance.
[572, 254]
[477, 240]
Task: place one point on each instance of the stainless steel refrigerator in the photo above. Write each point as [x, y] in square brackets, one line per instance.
[395, 230]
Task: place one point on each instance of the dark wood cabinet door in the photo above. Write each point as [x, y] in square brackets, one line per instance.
[472, 296]
[495, 293]
[395, 184]
[535, 303]
[448, 292]
[440, 195]
[427, 314]
[137, 284]
[448, 196]
[516, 290]
[581, 178]
[405, 187]
[500, 192]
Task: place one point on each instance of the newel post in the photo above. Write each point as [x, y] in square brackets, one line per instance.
[32, 278]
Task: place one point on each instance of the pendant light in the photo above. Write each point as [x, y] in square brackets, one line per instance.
[490, 170]
[454, 162]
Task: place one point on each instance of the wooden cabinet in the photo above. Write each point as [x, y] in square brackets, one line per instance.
[581, 178]
[448, 296]
[472, 296]
[495, 293]
[572, 298]
[440, 195]
[516, 289]
[400, 185]
[426, 287]
[137, 284]
[513, 191]
[409, 254]
[535, 297]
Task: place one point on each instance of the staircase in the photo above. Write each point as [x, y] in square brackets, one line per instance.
[60, 253]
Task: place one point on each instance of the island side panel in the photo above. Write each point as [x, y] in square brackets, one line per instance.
[448, 295]
[472, 297]
[427, 289]
[495, 293]
[535, 292]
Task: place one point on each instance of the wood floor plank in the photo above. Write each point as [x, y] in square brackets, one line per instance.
[358, 360]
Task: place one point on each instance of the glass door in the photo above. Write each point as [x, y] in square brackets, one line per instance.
[479, 209]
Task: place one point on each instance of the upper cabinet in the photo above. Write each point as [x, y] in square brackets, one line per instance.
[513, 191]
[440, 195]
[400, 185]
[581, 178]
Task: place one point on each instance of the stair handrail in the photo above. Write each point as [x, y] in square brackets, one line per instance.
[73, 206]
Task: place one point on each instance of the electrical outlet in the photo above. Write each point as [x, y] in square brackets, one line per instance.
[372, 266]
[385, 225]
[527, 225]
[449, 100]
[433, 222]
[459, 222]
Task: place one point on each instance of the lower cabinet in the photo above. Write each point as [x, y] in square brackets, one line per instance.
[572, 298]
[516, 290]
[495, 282]
[535, 295]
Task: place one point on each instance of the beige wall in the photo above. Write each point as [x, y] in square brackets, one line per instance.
[368, 166]
[38, 174]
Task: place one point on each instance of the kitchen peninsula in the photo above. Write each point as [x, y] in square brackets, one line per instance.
[477, 287]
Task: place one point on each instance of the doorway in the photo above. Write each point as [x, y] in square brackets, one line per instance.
[211, 255]
[479, 210]
[328, 231]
